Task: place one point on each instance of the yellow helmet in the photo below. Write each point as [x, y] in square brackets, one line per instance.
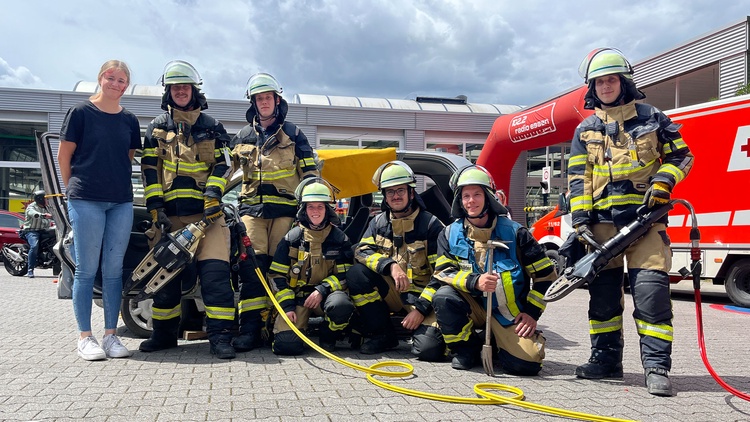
[394, 173]
[604, 61]
[314, 189]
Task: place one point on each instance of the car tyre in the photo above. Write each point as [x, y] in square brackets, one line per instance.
[137, 316]
[737, 283]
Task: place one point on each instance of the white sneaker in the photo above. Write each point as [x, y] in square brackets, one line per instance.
[89, 349]
[114, 348]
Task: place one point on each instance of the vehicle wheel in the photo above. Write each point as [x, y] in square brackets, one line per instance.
[737, 283]
[14, 267]
[137, 316]
[57, 268]
[556, 259]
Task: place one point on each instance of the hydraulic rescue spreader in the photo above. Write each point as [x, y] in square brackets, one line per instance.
[585, 269]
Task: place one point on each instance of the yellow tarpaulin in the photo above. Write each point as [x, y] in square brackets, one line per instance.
[350, 171]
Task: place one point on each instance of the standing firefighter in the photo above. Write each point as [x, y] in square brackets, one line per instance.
[396, 258]
[185, 168]
[462, 265]
[624, 156]
[274, 156]
[309, 271]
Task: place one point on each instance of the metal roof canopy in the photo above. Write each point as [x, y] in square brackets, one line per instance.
[706, 68]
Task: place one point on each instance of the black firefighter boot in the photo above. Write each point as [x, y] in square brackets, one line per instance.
[595, 369]
[465, 353]
[376, 317]
[327, 337]
[163, 337]
[658, 383]
[221, 346]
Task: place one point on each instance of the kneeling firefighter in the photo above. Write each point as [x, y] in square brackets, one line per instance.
[185, 173]
[463, 250]
[309, 271]
[396, 257]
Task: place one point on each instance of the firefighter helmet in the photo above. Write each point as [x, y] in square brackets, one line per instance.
[180, 72]
[394, 173]
[604, 61]
[314, 189]
[262, 82]
[474, 175]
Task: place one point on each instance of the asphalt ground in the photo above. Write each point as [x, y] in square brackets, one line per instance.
[42, 378]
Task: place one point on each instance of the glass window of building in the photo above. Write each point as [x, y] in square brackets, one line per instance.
[19, 163]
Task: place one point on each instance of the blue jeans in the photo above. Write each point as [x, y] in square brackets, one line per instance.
[100, 229]
[32, 237]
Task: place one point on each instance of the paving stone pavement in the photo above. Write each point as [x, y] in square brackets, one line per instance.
[42, 378]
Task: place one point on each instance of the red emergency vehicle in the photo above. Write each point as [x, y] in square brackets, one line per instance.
[718, 134]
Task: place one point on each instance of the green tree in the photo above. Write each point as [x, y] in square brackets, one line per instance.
[742, 89]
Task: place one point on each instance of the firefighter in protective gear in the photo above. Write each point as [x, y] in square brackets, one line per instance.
[393, 273]
[185, 168]
[309, 271]
[274, 156]
[461, 267]
[626, 155]
[35, 227]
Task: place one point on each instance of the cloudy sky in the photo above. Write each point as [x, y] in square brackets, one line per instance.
[493, 51]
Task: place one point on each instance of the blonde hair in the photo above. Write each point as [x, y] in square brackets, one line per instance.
[107, 66]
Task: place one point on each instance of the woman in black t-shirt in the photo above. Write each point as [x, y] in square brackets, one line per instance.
[98, 141]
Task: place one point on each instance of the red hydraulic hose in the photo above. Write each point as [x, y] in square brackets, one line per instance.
[695, 257]
[704, 356]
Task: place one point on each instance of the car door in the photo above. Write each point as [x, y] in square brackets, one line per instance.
[47, 146]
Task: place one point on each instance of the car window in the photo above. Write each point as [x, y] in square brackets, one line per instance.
[10, 221]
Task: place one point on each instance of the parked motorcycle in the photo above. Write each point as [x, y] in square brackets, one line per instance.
[16, 255]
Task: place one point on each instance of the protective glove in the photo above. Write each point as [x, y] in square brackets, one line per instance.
[159, 217]
[657, 194]
[212, 210]
[582, 229]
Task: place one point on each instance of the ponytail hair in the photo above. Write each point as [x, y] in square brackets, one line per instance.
[107, 66]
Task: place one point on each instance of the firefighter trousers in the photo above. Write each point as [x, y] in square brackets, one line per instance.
[265, 235]
[649, 260]
[458, 313]
[375, 296]
[212, 256]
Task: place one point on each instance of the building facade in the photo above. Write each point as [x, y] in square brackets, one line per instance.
[711, 66]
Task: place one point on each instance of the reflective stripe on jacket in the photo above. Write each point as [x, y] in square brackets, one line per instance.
[185, 158]
[616, 154]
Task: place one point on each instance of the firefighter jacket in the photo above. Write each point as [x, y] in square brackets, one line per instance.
[616, 154]
[185, 158]
[308, 260]
[410, 242]
[462, 259]
[273, 162]
[35, 219]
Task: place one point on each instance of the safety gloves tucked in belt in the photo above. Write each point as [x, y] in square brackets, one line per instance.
[159, 217]
[582, 229]
[657, 194]
[212, 210]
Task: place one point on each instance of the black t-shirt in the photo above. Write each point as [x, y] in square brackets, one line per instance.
[100, 166]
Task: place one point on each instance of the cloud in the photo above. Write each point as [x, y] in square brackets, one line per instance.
[19, 77]
[493, 51]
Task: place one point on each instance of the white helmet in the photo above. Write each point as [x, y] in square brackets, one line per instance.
[262, 82]
[180, 72]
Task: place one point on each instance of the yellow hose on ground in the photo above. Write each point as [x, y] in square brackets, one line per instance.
[408, 370]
